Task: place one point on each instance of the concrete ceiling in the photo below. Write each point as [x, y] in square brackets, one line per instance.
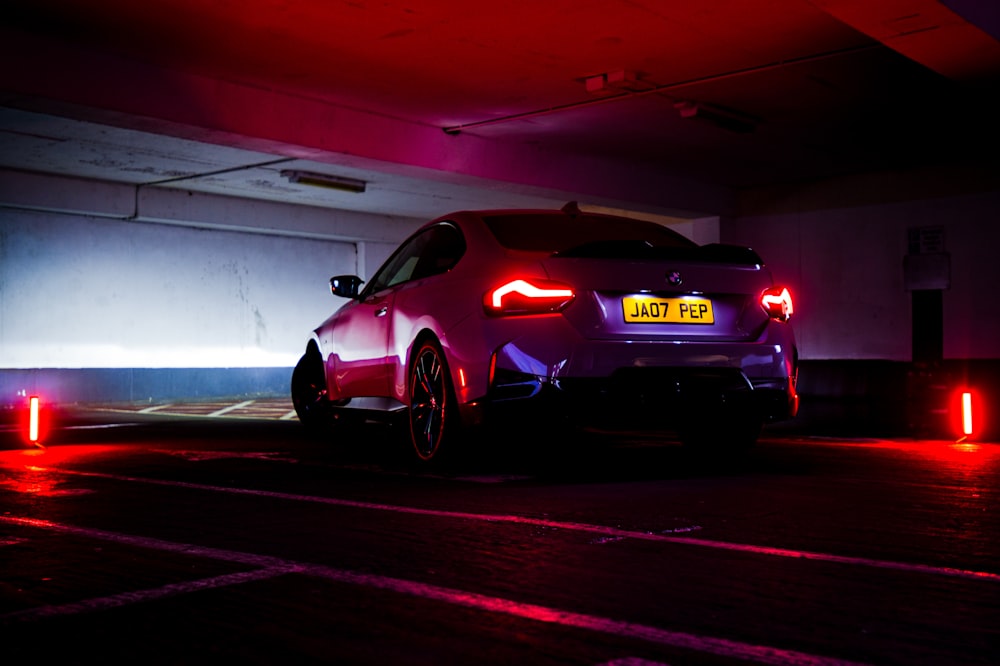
[669, 107]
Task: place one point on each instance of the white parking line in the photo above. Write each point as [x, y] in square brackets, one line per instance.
[126, 598]
[230, 408]
[272, 566]
[614, 533]
[154, 408]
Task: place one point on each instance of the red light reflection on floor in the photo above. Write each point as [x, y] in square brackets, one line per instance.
[28, 471]
[959, 455]
[945, 453]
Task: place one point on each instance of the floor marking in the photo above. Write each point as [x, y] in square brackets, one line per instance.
[261, 410]
[154, 408]
[489, 478]
[600, 530]
[200, 456]
[273, 566]
[100, 426]
[95, 426]
[230, 408]
[138, 596]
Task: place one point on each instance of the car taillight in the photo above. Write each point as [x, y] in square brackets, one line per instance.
[522, 297]
[777, 303]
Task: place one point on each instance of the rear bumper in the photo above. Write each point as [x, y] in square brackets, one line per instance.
[543, 367]
[635, 398]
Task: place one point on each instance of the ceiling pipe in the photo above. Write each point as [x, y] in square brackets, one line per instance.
[194, 176]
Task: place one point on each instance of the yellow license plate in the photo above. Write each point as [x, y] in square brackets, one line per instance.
[650, 310]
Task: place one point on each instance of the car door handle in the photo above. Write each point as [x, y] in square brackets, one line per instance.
[381, 311]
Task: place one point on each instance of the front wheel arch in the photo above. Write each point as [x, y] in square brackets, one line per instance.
[309, 390]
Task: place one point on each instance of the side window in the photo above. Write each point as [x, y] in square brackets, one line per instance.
[434, 251]
[404, 269]
[398, 267]
[445, 246]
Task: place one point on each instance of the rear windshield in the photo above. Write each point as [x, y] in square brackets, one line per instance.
[558, 233]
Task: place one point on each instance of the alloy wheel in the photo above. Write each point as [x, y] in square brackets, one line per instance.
[428, 401]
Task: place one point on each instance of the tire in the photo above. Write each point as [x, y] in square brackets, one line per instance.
[432, 412]
[309, 392]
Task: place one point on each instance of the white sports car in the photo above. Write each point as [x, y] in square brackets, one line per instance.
[486, 316]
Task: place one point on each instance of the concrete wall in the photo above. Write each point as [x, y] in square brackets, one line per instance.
[845, 268]
[88, 292]
[139, 308]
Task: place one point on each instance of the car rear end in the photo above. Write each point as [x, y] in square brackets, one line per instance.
[643, 328]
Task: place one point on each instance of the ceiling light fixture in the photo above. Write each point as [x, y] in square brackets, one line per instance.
[325, 180]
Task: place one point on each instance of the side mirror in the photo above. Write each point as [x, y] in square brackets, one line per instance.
[346, 286]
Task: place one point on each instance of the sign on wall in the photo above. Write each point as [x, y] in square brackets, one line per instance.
[926, 266]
